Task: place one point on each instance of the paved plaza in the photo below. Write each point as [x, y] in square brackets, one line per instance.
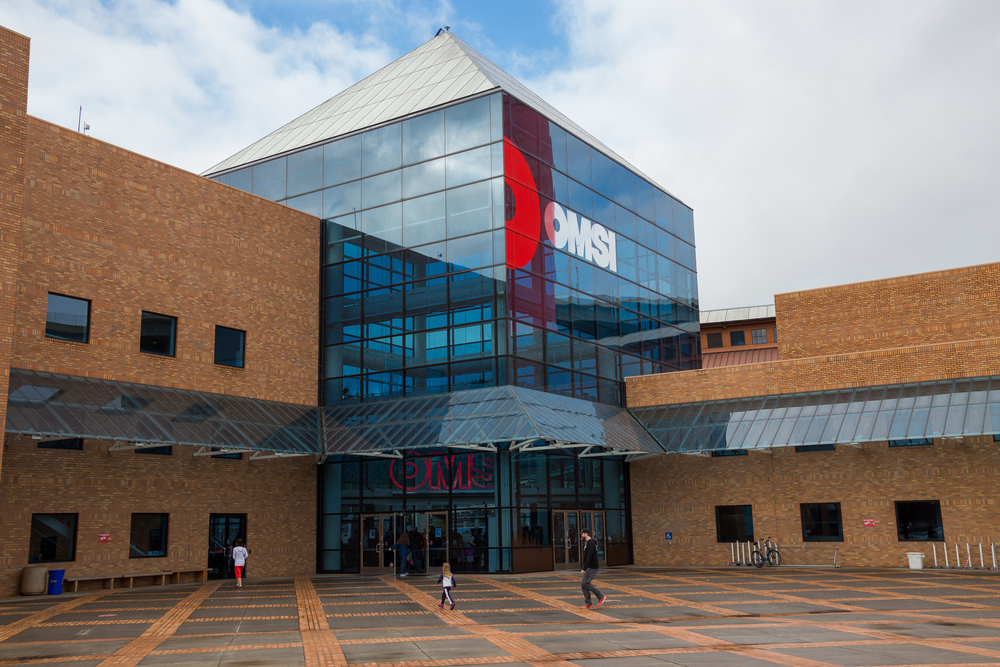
[691, 617]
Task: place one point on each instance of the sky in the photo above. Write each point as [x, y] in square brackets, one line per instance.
[819, 143]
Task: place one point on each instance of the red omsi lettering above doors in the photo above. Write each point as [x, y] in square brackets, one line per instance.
[564, 229]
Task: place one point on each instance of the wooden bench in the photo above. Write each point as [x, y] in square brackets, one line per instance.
[202, 573]
[109, 581]
[162, 575]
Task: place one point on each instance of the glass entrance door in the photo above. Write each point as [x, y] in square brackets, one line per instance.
[223, 529]
[567, 545]
[378, 534]
[436, 537]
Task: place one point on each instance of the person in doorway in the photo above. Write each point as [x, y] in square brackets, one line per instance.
[447, 581]
[240, 555]
[417, 549]
[402, 547]
[589, 571]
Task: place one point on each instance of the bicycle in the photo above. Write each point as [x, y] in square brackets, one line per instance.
[770, 555]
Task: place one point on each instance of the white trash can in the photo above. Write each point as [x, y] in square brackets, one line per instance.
[916, 559]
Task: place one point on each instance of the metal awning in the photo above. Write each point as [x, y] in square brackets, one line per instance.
[46, 405]
[479, 418]
[947, 408]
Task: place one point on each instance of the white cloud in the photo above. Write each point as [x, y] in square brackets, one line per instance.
[189, 83]
[819, 143]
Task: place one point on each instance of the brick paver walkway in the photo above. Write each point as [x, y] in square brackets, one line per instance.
[690, 617]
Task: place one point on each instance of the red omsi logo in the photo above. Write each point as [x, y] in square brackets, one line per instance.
[564, 228]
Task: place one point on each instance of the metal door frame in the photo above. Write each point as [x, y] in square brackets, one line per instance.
[379, 517]
[228, 548]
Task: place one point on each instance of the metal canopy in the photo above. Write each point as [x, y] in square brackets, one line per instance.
[947, 408]
[46, 405]
[478, 418]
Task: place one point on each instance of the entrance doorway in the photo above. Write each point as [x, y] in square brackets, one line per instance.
[567, 546]
[378, 534]
[223, 529]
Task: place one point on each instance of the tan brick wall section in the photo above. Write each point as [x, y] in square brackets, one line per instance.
[952, 305]
[105, 488]
[14, 51]
[679, 493]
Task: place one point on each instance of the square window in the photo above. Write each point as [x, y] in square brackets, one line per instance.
[53, 538]
[714, 340]
[734, 523]
[67, 318]
[737, 338]
[148, 538]
[230, 344]
[66, 443]
[158, 334]
[166, 450]
[758, 336]
[821, 522]
[919, 521]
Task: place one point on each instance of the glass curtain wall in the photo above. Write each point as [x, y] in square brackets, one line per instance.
[497, 508]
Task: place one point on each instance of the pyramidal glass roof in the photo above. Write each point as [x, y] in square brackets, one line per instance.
[438, 72]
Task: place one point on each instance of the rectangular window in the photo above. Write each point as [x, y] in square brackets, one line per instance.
[53, 538]
[67, 318]
[911, 442]
[166, 450]
[737, 338]
[775, 334]
[714, 340]
[821, 522]
[158, 334]
[815, 448]
[919, 521]
[66, 443]
[148, 537]
[229, 346]
[734, 523]
[235, 456]
[758, 336]
[729, 452]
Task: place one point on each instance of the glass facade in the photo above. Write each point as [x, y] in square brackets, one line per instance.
[474, 246]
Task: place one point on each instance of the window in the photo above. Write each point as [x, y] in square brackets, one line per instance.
[66, 443]
[911, 442]
[148, 537]
[734, 523]
[229, 346]
[236, 455]
[919, 521]
[166, 450]
[758, 336]
[729, 452]
[67, 318]
[158, 334]
[737, 338]
[714, 340]
[775, 334]
[53, 538]
[821, 522]
[815, 448]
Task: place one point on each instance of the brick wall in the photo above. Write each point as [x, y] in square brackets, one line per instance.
[105, 488]
[953, 305]
[14, 50]
[679, 493]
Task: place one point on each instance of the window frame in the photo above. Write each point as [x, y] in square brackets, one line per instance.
[173, 334]
[755, 333]
[742, 512]
[804, 507]
[243, 347]
[86, 333]
[712, 337]
[72, 548]
[733, 338]
[163, 450]
[70, 444]
[164, 526]
[940, 521]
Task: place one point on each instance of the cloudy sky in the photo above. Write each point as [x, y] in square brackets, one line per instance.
[819, 143]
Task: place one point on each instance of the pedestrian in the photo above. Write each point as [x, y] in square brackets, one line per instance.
[589, 571]
[402, 547]
[240, 555]
[447, 581]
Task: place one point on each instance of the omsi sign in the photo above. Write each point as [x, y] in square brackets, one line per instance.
[468, 472]
[585, 239]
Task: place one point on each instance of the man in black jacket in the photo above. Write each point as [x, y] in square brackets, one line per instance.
[589, 571]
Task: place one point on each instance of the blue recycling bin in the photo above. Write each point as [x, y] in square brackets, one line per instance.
[56, 581]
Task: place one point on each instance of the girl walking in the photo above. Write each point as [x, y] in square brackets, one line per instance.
[240, 555]
[447, 581]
